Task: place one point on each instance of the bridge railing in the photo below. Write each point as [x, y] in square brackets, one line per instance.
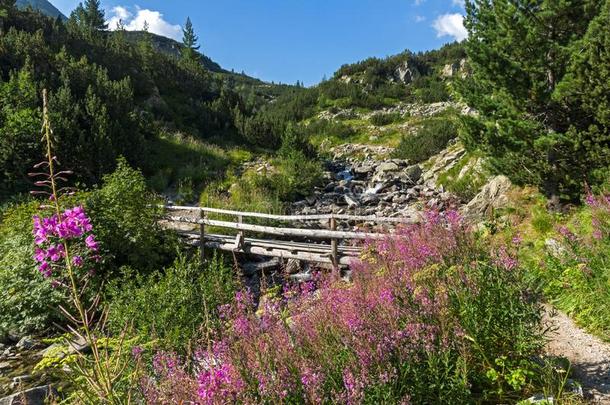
[333, 253]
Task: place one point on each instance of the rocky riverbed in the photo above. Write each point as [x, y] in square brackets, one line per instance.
[362, 180]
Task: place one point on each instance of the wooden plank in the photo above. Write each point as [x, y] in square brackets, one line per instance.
[270, 245]
[271, 230]
[314, 247]
[282, 253]
[314, 217]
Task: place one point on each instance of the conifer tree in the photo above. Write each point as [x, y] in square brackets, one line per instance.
[5, 7]
[519, 51]
[189, 41]
[88, 17]
[94, 15]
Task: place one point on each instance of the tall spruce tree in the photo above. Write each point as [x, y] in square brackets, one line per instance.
[189, 41]
[6, 6]
[519, 51]
[89, 16]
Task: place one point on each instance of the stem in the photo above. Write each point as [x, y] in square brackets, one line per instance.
[99, 369]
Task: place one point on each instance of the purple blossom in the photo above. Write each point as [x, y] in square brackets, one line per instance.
[136, 352]
[219, 383]
[45, 269]
[40, 255]
[91, 243]
[77, 261]
[53, 233]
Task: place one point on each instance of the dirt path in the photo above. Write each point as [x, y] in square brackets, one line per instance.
[590, 357]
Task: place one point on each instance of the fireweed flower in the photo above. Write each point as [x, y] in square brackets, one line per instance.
[51, 234]
[77, 261]
[91, 243]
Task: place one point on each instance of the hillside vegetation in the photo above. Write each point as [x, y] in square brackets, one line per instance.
[446, 310]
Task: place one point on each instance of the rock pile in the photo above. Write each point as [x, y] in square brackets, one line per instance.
[386, 188]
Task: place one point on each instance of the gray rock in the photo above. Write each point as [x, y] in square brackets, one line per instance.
[369, 199]
[412, 174]
[4, 365]
[351, 202]
[541, 399]
[554, 247]
[33, 396]
[26, 343]
[387, 167]
[17, 381]
[492, 196]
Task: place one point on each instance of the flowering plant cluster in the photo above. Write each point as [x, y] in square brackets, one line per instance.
[575, 266]
[55, 234]
[397, 329]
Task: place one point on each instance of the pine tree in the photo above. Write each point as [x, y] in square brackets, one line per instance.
[89, 16]
[146, 47]
[95, 15]
[586, 90]
[519, 51]
[189, 41]
[6, 6]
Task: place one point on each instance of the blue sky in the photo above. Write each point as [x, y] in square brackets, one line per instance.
[289, 40]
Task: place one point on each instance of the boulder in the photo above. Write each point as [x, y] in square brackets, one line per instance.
[351, 202]
[405, 73]
[33, 396]
[26, 343]
[411, 174]
[387, 167]
[492, 196]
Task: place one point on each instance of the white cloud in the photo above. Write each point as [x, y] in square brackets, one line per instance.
[450, 25]
[154, 19]
[418, 2]
[457, 3]
[419, 18]
[119, 14]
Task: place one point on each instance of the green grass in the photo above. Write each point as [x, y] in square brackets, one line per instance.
[178, 160]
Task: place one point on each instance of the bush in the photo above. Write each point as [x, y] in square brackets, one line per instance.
[28, 300]
[431, 138]
[124, 217]
[575, 273]
[381, 119]
[329, 129]
[429, 318]
[296, 176]
[176, 305]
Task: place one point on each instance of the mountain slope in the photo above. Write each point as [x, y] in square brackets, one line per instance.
[43, 6]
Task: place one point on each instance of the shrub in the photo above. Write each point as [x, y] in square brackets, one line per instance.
[125, 215]
[296, 176]
[28, 301]
[429, 318]
[575, 273]
[432, 137]
[330, 129]
[381, 119]
[176, 305]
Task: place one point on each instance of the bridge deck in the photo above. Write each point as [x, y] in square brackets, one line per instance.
[315, 252]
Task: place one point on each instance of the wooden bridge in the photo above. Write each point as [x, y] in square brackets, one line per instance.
[334, 252]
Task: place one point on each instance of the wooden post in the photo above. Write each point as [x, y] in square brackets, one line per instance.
[202, 237]
[240, 220]
[334, 251]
